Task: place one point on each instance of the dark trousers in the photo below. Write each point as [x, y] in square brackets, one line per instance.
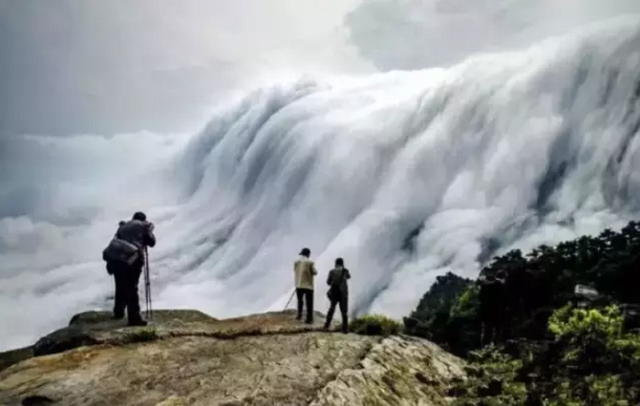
[343, 302]
[305, 295]
[126, 280]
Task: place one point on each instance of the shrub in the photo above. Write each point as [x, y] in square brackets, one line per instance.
[599, 360]
[375, 325]
[431, 318]
[453, 321]
[440, 297]
[462, 332]
[603, 390]
[591, 362]
[468, 303]
[492, 380]
[577, 325]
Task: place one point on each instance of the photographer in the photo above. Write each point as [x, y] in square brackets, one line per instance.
[125, 259]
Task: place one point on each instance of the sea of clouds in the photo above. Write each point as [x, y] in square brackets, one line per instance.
[406, 174]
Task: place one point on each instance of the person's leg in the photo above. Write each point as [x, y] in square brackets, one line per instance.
[300, 297]
[309, 295]
[332, 309]
[133, 302]
[120, 294]
[344, 309]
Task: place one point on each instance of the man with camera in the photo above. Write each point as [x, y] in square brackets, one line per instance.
[125, 258]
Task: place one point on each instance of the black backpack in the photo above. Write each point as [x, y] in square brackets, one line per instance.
[121, 251]
[334, 290]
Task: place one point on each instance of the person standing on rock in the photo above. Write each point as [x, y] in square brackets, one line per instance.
[338, 294]
[304, 273]
[125, 257]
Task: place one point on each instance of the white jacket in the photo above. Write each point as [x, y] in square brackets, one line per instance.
[304, 271]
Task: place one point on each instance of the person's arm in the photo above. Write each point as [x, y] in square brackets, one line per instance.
[149, 238]
[313, 269]
[348, 274]
[330, 278]
[119, 225]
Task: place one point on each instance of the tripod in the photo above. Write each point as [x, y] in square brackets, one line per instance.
[287, 305]
[147, 285]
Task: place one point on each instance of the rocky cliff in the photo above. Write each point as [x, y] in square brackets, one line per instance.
[188, 358]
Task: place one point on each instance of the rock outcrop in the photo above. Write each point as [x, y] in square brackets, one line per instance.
[188, 358]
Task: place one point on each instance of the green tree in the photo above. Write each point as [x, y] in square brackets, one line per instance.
[600, 364]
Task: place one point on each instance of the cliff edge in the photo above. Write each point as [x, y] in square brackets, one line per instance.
[188, 358]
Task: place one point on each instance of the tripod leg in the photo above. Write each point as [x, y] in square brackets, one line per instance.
[147, 284]
[287, 305]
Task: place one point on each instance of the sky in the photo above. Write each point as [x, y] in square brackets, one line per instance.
[75, 66]
[414, 34]
[107, 67]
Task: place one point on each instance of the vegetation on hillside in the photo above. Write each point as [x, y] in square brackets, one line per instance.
[447, 314]
[590, 362]
[556, 347]
[375, 325]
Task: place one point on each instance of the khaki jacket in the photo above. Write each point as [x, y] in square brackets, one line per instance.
[304, 271]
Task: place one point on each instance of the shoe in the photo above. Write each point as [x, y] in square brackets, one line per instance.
[308, 322]
[138, 323]
[117, 317]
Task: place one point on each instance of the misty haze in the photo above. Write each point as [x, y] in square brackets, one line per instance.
[411, 138]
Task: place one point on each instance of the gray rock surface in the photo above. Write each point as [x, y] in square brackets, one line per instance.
[90, 328]
[266, 359]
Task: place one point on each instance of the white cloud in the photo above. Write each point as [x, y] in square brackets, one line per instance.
[413, 34]
[473, 154]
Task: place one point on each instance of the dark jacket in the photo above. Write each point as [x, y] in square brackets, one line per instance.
[137, 232]
[338, 277]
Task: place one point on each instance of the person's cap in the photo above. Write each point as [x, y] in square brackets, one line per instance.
[305, 251]
[140, 216]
